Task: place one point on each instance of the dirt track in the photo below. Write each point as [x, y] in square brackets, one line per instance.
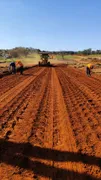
[50, 125]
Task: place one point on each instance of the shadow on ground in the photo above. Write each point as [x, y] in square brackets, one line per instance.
[19, 154]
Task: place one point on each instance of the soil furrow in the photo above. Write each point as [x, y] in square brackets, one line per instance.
[50, 125]
[8, 82]
[85, 135]
[21, 136]
[7, 97]
[20, 104]
[63, 139]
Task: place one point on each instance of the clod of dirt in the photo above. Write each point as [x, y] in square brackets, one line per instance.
[8, 133]
[13, 124]
[90, 100]
[35, 177]
[99, 112]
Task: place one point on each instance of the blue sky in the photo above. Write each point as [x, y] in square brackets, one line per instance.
[50, 24]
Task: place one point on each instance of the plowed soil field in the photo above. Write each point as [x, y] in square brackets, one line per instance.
[50, 125]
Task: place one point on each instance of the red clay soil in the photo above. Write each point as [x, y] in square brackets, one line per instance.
[50, 125]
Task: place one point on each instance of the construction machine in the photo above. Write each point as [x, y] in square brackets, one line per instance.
[44, 59]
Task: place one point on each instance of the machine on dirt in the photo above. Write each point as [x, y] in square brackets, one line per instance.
[44, 59]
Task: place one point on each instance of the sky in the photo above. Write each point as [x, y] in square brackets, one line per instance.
[50, 24]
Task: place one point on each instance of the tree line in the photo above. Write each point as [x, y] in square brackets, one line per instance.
[17, 52]
[83, 52]
[22, 51]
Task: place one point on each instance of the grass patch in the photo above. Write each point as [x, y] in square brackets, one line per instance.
[28, 60]
[68, 57]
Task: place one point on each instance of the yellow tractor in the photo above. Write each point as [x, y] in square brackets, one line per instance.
[44, 59]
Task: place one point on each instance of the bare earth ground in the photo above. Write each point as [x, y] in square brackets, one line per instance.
[50, 125]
